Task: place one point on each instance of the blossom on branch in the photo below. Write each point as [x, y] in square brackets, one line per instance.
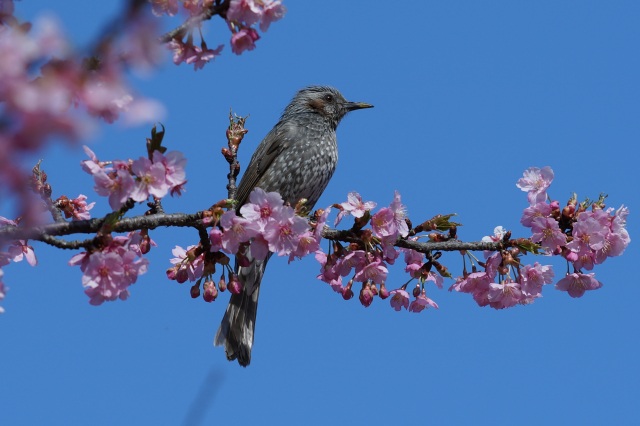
[535, 182]
[108, 273]
[577, 284]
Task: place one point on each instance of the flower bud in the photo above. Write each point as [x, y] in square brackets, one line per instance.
[145, 244]
[383, 293]
[374, 288]
[568, 211]
[416, 290]
[222, 284]
[210, 291]
[366, 296]
[347, 293]
[195, 291]
[235, 286]
[172, 272]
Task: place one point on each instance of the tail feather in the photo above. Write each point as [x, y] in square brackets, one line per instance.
[239, 321]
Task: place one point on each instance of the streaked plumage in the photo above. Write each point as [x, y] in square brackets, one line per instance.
[297, 159]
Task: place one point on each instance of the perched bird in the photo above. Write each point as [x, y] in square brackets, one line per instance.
[296, 158]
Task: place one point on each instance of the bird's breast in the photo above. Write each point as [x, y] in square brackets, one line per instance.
[304, 168]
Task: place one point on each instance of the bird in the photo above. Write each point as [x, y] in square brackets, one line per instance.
[296, 159]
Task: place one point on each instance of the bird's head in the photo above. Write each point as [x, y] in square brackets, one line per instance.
[324, 101]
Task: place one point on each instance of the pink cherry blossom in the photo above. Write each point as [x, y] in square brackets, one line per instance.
[181, 50]
[174, 164]
[200, 56]
[399, 215]
[421, 303]
[435, 278]
[354, 206]
[132, 267]
[117, 185]
[389, 252]
[534, 211]
[492, 263]
[532, 278]
[576, 284]
[547, 232]
[260, 248]
[102, 277]
[244, 11]
[375, 271]
[320, 224]
[93, 165]
[150, 179]
[498, 233]
[237, 230]
[414, 261]
[587, 232]
[191, 268]
[328, 271]
[474, 282]
[261, 206]
[504, 294]
[283, 233]
[245, 39]
[383, 223]
[613, 245]
[619, 223]
[215, 237]
[355, 259]
[272, 11]
[20, 251]
[306, 244]
[399, 299]
[535, 182]
[80, 208]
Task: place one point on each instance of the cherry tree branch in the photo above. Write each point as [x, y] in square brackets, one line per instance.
[46, 233]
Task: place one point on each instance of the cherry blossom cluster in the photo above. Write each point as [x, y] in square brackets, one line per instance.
[367, 263]
[109, 271]
[241, 17]
[119, 180]
[505, 282]
[45, 85]
[584, 234]
[265, 225]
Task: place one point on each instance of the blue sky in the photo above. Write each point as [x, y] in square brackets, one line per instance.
[467, 95]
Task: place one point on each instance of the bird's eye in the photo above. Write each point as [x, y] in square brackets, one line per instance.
[328, 98]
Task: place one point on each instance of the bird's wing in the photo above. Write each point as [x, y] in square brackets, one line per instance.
[276, 141]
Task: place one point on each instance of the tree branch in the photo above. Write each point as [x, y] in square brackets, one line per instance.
[45, 233]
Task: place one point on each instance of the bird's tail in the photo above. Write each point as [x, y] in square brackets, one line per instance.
[239, 322]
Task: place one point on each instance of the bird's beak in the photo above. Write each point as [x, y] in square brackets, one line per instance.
[350, 106]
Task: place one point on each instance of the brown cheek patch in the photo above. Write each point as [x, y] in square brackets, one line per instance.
[317, 104]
